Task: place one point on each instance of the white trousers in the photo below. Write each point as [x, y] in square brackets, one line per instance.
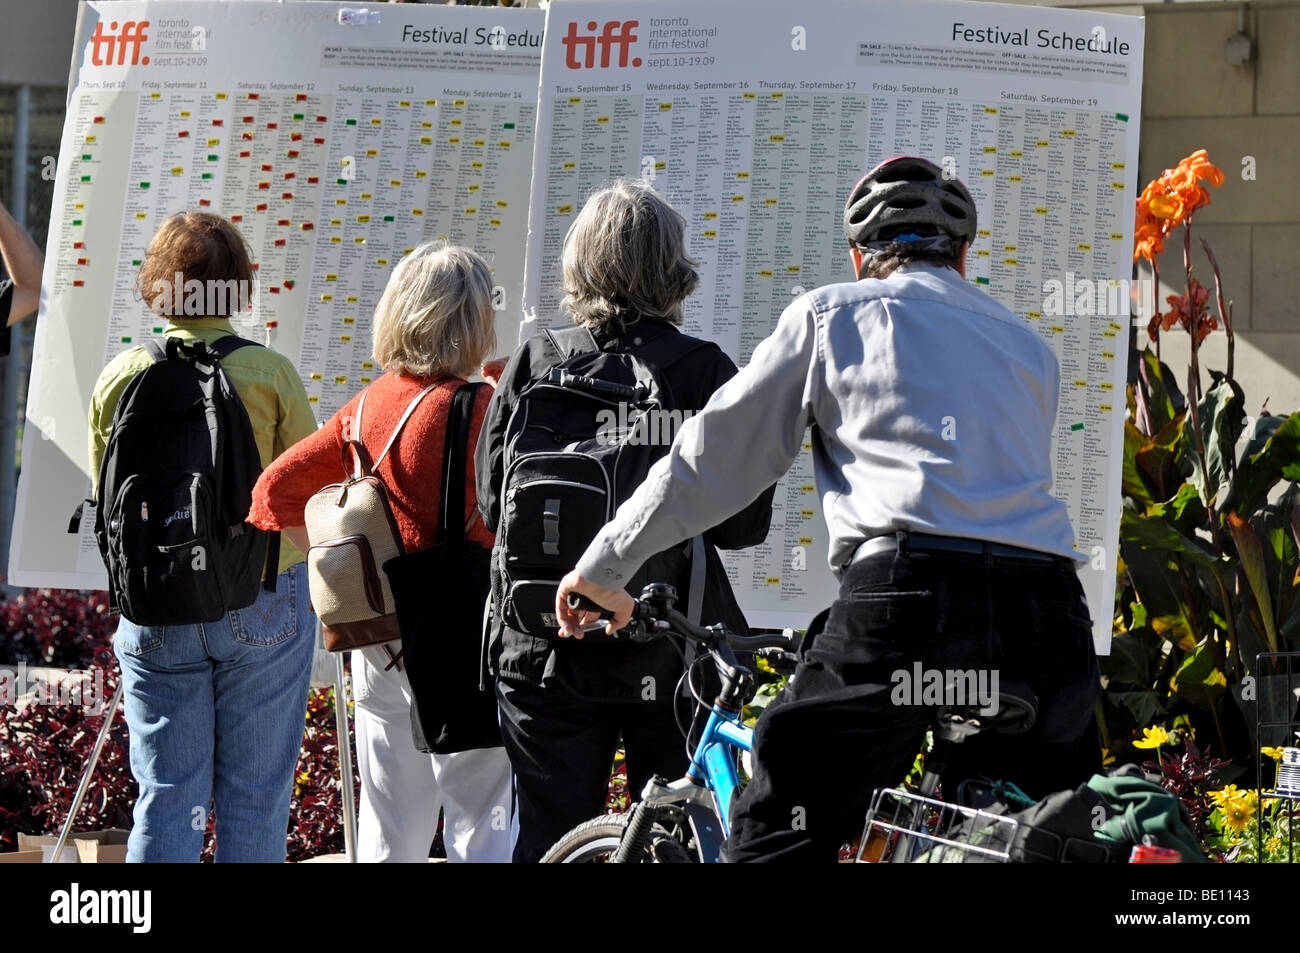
[403, 789]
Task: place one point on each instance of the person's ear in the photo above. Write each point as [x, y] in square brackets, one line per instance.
[961, 259]
[856, 254]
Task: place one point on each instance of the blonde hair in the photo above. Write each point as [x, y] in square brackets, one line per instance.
[435, 316]
[625, 257]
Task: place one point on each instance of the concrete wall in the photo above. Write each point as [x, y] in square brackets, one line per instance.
[36, 41]
[1244, 115]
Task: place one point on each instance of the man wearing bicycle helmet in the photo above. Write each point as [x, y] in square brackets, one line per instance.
[932, 409]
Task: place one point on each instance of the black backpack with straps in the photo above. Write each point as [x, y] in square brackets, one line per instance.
[578, 443]
[175, 486]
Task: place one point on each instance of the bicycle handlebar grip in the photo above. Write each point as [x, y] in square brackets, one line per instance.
[581, 603]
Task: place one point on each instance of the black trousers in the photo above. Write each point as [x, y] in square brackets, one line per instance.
[561, 747]
[854, 717]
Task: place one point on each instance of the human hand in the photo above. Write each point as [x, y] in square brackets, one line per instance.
[618, 603]
[491, 371]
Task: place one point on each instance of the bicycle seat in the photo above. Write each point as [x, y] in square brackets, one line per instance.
[1015, 712]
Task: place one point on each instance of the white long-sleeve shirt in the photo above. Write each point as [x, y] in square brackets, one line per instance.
[932, 408]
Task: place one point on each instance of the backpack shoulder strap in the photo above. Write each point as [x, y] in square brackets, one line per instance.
[669, 348]
[222, 347]
[455, 457]
[155, 351]
[570, 341]
[406, 415]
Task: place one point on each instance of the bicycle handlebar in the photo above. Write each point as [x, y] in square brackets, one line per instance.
[651, 621]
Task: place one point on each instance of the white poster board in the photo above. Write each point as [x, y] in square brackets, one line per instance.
[335, 146]
[755, 122]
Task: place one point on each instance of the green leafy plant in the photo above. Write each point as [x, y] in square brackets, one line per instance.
[1210, 529]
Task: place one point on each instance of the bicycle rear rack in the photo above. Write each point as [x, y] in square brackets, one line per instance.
[903, 827]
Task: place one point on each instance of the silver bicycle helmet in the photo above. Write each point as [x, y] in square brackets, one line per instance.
[908, 199]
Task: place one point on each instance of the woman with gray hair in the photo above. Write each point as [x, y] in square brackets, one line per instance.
[433, 329]
[565, 706]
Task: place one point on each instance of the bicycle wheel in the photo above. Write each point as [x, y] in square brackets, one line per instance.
[591, 842]
[595, 841]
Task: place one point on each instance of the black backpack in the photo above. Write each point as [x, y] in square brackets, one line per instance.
[578, 443]
[175, 486]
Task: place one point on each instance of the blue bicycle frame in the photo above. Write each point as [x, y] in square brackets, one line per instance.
[714, 762]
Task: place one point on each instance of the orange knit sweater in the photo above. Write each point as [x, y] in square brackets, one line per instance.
[412, 471]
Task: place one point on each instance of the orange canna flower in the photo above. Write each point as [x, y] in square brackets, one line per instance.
[1169, 200]
[1199, 164]
[1167, 207]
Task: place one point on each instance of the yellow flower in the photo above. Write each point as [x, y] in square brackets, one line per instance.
[1221, 798]
[1107, 759]
[1274, 753]
[1237, 813]
[1273, 843]
[1152, 738]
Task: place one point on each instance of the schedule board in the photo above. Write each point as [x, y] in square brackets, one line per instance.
[755, 124]
[336, 137]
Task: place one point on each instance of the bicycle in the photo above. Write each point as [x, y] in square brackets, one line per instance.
[686, 820]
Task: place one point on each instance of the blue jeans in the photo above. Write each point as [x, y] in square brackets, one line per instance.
[216, 714]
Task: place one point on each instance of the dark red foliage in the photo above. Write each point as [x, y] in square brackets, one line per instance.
[44, 749]
[1189, 776]
[55, 628]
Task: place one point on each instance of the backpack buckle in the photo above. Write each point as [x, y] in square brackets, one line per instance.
[551, 528]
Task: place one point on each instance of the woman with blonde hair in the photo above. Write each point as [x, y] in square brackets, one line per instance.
[433, 328]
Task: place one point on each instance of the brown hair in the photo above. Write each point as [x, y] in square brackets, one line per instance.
[197, 265]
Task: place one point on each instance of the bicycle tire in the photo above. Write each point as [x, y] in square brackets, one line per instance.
[591, 842]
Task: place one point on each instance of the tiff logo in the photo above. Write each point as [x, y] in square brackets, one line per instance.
[103, 44]
[613, 33]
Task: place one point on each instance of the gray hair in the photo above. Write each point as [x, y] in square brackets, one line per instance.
[625, 258]
[435, 316]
